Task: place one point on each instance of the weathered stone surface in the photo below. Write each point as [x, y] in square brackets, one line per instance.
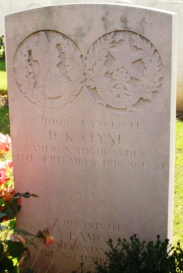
[92, 105]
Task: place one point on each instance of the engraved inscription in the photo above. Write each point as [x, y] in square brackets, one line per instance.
[124, 71]
[89, 124]
[48, 69]
[96, 144]
[78, 241]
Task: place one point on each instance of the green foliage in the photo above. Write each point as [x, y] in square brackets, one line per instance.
[9, 251]
[3, 78]
[4, 120]
[25, 195]
[9, 209]
[137, 256]
[2, 48]
[2, 65]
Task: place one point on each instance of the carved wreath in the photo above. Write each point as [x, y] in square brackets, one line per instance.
[123, 70]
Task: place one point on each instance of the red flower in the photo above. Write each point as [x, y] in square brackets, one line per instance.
[44, 234]
[20, 201]
[7, 194]
[49, 240]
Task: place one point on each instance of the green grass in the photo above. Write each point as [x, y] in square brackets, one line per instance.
[2, 65]
[3, 79]
[4, 113]
[4, 120]
[178, 188]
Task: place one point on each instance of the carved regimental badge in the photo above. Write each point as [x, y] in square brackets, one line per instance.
[48, 69]
[124, 71]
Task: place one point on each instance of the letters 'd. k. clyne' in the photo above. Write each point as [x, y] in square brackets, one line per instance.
[92, 107]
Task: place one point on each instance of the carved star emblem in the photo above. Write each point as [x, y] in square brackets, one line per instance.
[124, 57]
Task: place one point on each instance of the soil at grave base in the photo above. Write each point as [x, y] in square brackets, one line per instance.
[3, 101]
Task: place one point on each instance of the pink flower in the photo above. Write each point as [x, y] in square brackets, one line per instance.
[17, 238]
[5, 143]
[3, 166]
[5, 169]
[6, 165]
[9, 163]
[2, 177]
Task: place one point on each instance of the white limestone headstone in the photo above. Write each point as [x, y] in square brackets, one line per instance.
[92, 108]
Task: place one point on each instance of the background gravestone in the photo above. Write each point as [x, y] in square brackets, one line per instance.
[92, 107]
